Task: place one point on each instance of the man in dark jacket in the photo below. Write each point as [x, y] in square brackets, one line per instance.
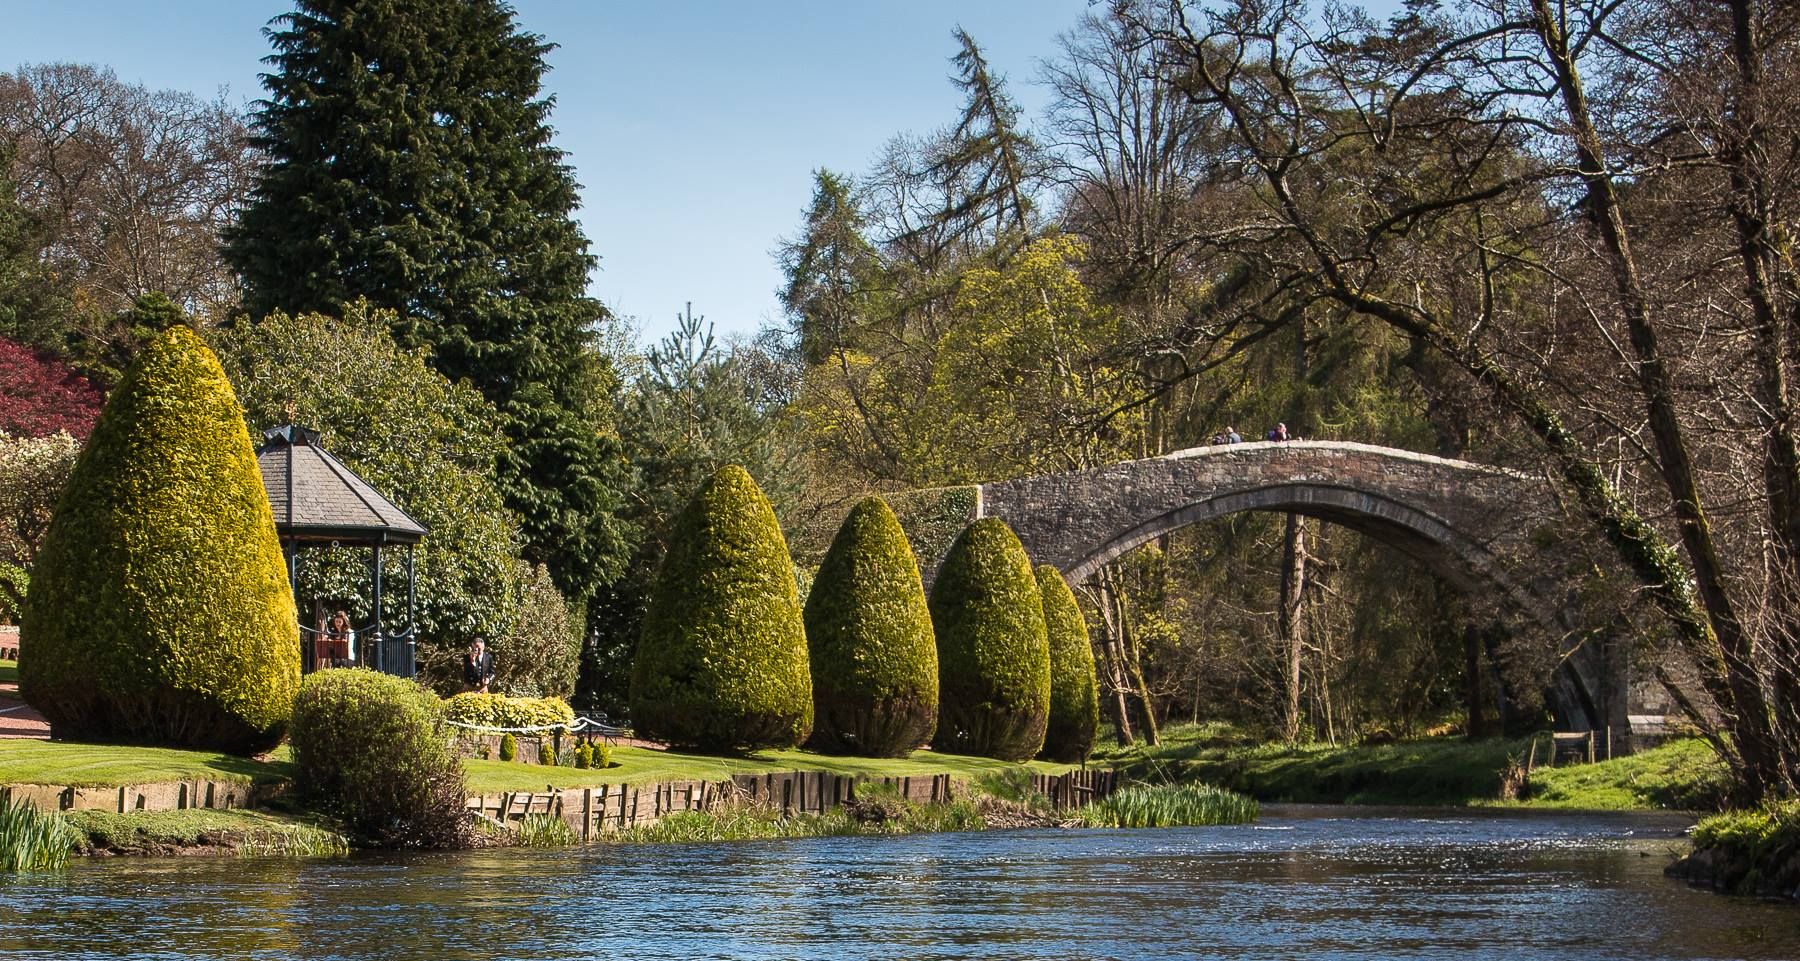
[478, 667]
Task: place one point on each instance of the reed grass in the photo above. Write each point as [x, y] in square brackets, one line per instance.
[1167, 806]
[33, 840]
[544, 831]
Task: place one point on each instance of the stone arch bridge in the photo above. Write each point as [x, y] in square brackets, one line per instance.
[1471, 524]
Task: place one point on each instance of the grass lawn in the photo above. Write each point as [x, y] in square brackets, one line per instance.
[1432, 771]
[633, 765]
[25, 761]
[9, 672]
[83, 765]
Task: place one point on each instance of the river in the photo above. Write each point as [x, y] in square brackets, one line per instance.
[1301, 883]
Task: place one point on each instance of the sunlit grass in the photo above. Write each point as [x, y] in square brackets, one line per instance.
[1434, 771]
[9, 672]
[26, 761]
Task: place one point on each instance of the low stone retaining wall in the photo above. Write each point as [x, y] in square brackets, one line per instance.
[165, 796]
[590, 811]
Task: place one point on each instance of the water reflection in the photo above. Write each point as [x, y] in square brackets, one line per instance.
[1300, 884]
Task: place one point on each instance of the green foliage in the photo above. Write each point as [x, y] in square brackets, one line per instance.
[15, 583]
[722, 660]
[603, 755]
[868, 631]
[546, 754]
[33, 471]
[370, 750]
[159, 608]
[541, 650]
[33, 840]
[584, 756]
[498, 710]
[509, 748]
[691, 408]
[993, 653]
[1074, 688]
[410, 161]
[428, 445]
[1168, 806]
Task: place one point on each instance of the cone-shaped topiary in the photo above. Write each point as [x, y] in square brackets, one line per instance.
[993, 654]
[874, 659]
[1074, 690]
[159, 609]
[721, 661]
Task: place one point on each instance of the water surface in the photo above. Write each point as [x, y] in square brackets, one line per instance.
[1320, 883]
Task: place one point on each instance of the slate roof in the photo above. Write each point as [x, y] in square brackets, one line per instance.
[315, 497]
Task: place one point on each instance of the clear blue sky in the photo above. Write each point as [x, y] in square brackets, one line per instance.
[694, 127]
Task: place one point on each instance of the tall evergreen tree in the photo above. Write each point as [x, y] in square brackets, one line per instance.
[411, 164]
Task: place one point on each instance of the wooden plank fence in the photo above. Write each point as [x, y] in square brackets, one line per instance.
[162, 796]
[614, 807]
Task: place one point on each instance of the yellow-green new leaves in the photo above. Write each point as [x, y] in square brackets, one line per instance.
[993, 654]
[1074, 690]
[874, 658]
[722, 662]
[159, 609]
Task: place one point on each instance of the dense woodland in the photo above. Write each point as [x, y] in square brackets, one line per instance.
[1553, 236]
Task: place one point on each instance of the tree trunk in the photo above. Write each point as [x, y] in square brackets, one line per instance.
[1746, 705]
[1289, 619]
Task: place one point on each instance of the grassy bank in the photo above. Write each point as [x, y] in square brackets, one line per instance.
[1747, 852]
[9, 672]
[1680, 775]
[221, 832]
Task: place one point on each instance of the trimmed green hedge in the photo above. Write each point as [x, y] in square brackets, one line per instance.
[1074, 689]
[993, 653]
[159, 609]
[498, 710]
[721, 660]
[874, 657]
[370, 750]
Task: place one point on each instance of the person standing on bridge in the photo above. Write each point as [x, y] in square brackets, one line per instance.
[1280, 433]
[1232, 436]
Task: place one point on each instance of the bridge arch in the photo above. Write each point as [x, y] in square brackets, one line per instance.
[1468, 523]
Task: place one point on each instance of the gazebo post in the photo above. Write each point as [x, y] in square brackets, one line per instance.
[291, 553]
[412, 634]
[380, 644]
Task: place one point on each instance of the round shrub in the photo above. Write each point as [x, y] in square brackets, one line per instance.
[993, 654]
[1074, 690]
[369, 749]
[874, 659]
[509, 748]
[546, 754]
[159, 608]
[584, 756]
[721, 660]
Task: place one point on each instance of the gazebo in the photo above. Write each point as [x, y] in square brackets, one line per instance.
[318, 503]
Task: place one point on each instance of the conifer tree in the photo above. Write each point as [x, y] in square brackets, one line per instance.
[411, 163]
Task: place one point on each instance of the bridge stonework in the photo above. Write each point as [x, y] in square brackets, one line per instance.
[1472, 524]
